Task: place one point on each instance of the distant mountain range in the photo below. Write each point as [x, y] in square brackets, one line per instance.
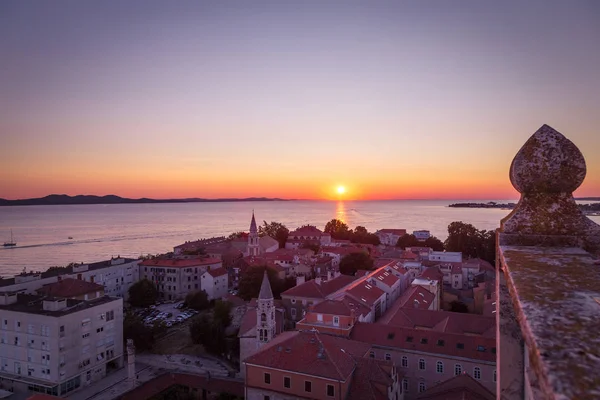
[62, 199]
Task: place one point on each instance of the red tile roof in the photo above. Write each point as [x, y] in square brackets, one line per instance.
[386, 278]
[442, 321]
[310, 289]
[179, 262]
[423, 298]
[308, 231]
[461, 387]
[332, 307]
[311, 353]
[456, 269]
[369, 380]
[215, 273]
[365, 292]
[433, 342]
[358, 307]
[70, 287]
[432, 273]
[163, 382]
[392, 231]
[409, 255]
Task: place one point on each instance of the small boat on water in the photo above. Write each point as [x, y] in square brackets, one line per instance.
[10, 243]
[70, 237]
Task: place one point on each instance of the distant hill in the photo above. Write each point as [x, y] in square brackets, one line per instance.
[62, 199]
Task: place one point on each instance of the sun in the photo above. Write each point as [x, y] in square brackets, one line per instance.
[341, 190]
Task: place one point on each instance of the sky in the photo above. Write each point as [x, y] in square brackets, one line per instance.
[392, 100]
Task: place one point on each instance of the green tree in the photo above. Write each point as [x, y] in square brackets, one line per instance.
[251, 281]
[209, 333]
[143, 336]
[355, 261]
[338, 229]
[472, 242]
[362, 235]
[222, 313]
[276, 230]
[408, 240]
[459, 306]
[235, 235]
[311, 245]
[434, 243]
[197, 300]
[143, 293]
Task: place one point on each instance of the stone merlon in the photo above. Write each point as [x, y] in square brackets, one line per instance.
[548, 308]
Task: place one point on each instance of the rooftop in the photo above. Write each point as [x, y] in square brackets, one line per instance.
[478, 348]
[461, 387]
[34, 304]
[70, 287]
[217, 272]
[313, 290]
[311, 353]
[179, 262]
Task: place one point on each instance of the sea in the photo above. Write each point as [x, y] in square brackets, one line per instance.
[58, 235]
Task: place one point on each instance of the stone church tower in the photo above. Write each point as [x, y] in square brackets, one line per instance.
[265, 314]
[253, 246]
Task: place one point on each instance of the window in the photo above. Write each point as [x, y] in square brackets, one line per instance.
[457, 369]
[287, 382]
[308, 386]
[405, 385]
[293, 312]
[460, 345]
[293, 301]
[330, 390]
[372, 354]
[477, 373]
[101, 329]
[440, 342]
[336, 320]
[494, 375]
[265, 397]
[85, 335]
[439, 367]
[110, 315]
[421, 364]
[423, 341]
[388, 356]
[404, 362]
[480, 348]
[320, 317]
[422, 387]
[267, 378]
[409, 339]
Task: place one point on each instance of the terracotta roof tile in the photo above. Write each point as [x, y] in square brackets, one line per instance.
[368, 378]
[386, 278]
[70, 287]
[311, 353]
[433, 342]
[365, 292]
[217, 272]
[333, 307]
[179, 262]
[461, 387]
[310, 289]
[443, 321]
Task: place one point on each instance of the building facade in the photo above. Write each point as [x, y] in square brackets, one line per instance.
[54, 346]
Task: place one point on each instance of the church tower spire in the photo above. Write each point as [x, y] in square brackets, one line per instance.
[253, 246]
[265, 313]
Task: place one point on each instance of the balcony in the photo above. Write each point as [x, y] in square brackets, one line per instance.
[548, 277]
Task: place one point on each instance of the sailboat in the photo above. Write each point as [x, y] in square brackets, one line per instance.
[10, 243]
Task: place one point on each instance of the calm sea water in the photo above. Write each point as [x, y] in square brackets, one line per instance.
[102, 231]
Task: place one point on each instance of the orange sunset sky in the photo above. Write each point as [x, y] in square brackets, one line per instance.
[172, 100]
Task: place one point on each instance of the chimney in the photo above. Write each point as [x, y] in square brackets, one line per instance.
[318, 280]
[299, 280]
[131, 378]
[329, 275]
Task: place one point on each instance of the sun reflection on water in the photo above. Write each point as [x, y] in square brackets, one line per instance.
[340, 212]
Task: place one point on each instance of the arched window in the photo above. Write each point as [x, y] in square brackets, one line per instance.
[457, 369]
[263, 317]
[477, 373]
[494, 375]
[404, 362]
[421, 364]
[439, 367]
[422, 387]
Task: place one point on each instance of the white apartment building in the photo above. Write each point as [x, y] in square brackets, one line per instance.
[422, 235]
[55, 345]
[446, 256]
[176, 277]
[116, 275]
[215, 283]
